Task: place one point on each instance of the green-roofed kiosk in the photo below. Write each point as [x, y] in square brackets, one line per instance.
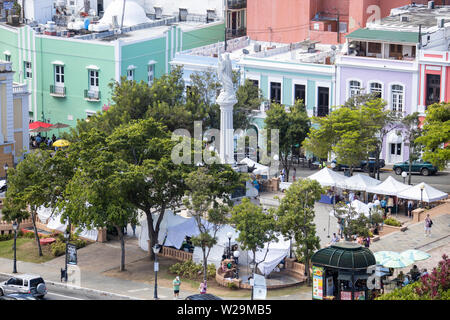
[340, 271]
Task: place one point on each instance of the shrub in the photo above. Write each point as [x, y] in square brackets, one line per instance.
[392, 222]
[5, 237]
[232, 285]
[58, 248]
[29, 235]
[191, 270]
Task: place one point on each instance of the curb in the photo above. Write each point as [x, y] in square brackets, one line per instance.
[82, 289]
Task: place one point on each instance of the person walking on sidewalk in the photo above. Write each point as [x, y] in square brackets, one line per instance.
[294, 174]
[176, 287]
[428, 224]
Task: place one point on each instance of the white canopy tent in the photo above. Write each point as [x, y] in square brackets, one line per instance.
[429, 194]
[390, 187]
[276, 252]
[169, 220]
[328, 178]
[358, 206]
[259, 168]
[361, 182]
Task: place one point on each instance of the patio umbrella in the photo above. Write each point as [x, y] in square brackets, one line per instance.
[40, 129]
[36, 124]
[397, 262]
[415, 255]
[61, 143]
[382, 256]
[60, 125]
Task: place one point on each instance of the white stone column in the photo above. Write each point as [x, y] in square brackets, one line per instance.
[226, 103]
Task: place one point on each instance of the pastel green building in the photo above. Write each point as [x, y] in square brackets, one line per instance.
[68, 74]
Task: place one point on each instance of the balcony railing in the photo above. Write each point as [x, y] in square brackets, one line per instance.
[92, 95]
[233, 33]
[57, 91]
[321, 111]
[21, 88]
[237, 4]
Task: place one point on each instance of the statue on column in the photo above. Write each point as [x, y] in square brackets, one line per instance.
[225, 75]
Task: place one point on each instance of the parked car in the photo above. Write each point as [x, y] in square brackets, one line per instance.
[206, 296]
[3, 186]
[363, 165]
[18, 296]
[422, 167]
[24, 283]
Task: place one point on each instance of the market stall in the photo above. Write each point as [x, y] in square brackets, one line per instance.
[423, 192]
[340, 272]
[389, 187]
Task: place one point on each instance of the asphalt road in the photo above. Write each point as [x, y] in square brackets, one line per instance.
[61, 293]
[440, 181]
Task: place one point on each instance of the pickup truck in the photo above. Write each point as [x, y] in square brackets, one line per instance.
[363, 165]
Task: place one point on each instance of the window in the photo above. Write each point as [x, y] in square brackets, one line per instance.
[355, 88]
[28, 71]
[376, 88]
[130, 74]
[299, 92]
[59, 75]
[397, 96]
[395, 50]
[7, 57]
[396, 149]
[433, 93]
[374, 47]
[255, 82]
[93, 80]
[324, 101]
[275, 92]
[150, 74]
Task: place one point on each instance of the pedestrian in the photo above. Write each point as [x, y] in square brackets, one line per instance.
[375, 197]
[428, 224]
[351, 196]
[294, 174]
[383, 205]
[367, 242]
[410, 207]
[53, 138]
[133, 227]
[176, 287]
[334, 239]
[203, 287]
[390, 205]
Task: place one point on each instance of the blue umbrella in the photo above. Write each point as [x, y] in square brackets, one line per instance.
[415, 255]
[397, 262]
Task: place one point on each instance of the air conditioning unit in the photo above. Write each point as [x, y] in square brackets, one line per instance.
[257, 47]
[404, 18]
[158, 12]
[183, 14]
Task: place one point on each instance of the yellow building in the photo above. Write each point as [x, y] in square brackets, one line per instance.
[14, 119]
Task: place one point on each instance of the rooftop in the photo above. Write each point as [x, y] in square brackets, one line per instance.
[408, 18]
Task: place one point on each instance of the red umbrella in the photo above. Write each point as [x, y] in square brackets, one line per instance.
[34, 125]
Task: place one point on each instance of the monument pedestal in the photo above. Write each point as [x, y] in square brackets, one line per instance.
[226, 102]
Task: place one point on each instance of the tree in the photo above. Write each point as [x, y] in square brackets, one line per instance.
[296, 218]
[354, 223]
[249, 98]
[436, 135]
[26, 187]
[209, 214]
[412, 131]
[293, 126]
[256, 228]
[95, 195]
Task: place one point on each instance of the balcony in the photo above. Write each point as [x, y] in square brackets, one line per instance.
[20, 88]
[92, 95]
[57, 91]
[321, 111]
[234, 33]
[236, 4]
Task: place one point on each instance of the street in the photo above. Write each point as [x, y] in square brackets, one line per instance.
[61, 293]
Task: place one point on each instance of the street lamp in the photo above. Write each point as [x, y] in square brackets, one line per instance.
[15, 226]
[421, 194]
[404, 175]
[5, 167]
[67, 237]
[252, 265]
[229, 235]
[236, 257]
[156, 248]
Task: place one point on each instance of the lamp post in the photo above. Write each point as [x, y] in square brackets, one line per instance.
[236, 257]
[67, 237]
[229, 235]
[421, 195]
[15, 225]
[156, 248]
[404, 175]
[5, 167]
[252, 265]
[333, 165]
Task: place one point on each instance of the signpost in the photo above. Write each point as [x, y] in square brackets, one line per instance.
[317, 282]
[72, 254]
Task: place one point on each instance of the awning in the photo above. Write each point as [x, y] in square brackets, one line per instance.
[383, 35]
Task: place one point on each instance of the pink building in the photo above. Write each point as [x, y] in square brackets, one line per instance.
[287, 21]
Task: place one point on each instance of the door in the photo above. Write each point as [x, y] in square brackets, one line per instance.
[59, 79]
[13, 285]
[323, 101]
[433, 89]
[395, 152]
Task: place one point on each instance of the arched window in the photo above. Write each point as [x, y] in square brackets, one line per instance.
[397, 97]
[355, 88]
[376, 88]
